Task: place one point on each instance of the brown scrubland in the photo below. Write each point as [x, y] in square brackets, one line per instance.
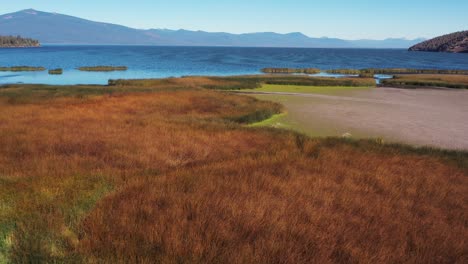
[165, 171]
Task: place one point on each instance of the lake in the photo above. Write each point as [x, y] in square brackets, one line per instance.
[158, 62]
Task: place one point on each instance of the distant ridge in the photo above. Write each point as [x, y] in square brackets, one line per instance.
[456, 43]
[56, 28]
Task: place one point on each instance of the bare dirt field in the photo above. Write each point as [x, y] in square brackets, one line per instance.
[423, 117]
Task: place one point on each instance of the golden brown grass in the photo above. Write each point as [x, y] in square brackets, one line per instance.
[165, 176]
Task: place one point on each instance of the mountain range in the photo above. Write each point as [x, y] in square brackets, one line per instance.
[53, 28]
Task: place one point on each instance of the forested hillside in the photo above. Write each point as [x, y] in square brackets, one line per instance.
[456, 43]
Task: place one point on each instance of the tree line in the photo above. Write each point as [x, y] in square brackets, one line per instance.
[17, 41]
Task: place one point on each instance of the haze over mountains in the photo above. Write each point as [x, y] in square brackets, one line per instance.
[53, 28]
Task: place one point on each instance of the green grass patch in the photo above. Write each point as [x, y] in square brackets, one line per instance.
[8, 197]
[274, 121]
[47, 217]
[256, 116]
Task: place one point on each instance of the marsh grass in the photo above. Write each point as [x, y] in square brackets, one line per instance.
[428, 80]
[56, 71]
[22, 68]
[31, 93]
[47, 230]
[165, 171]
[291, 70]
[256, 81]
[103, 68]
[307, 89]
[245, 82]
[368, 71]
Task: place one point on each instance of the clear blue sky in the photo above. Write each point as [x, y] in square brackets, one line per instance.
[350, 19]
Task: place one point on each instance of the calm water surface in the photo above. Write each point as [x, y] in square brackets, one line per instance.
[157, 62]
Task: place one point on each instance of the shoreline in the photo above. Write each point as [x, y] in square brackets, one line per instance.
[20, 47]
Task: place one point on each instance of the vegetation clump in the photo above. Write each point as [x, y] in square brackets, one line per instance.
[22, 68]
[366, 75]
[427, 80]
[56, 71]
[256, 81]
[369, 71]
[344, 71]
[17, 42]
[328, 90]
[104, 68]
[291, 70]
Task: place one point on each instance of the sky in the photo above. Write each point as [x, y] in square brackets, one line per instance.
[347, 19]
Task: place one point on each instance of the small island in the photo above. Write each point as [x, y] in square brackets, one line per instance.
[58, 71]
[454, 43]
[103, 68]
[22, 69]
[18, 42]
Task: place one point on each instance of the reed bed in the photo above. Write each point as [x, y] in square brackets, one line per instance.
[164, 171]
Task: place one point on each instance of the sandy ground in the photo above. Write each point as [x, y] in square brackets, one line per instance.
[431, 117]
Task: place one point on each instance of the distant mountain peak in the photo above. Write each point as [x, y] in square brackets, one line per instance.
[58, 28]
[296, 34]
[30, 11]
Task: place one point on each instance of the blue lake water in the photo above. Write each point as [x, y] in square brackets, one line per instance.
[157, 62]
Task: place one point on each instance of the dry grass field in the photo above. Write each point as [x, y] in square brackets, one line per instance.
[165, 171]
